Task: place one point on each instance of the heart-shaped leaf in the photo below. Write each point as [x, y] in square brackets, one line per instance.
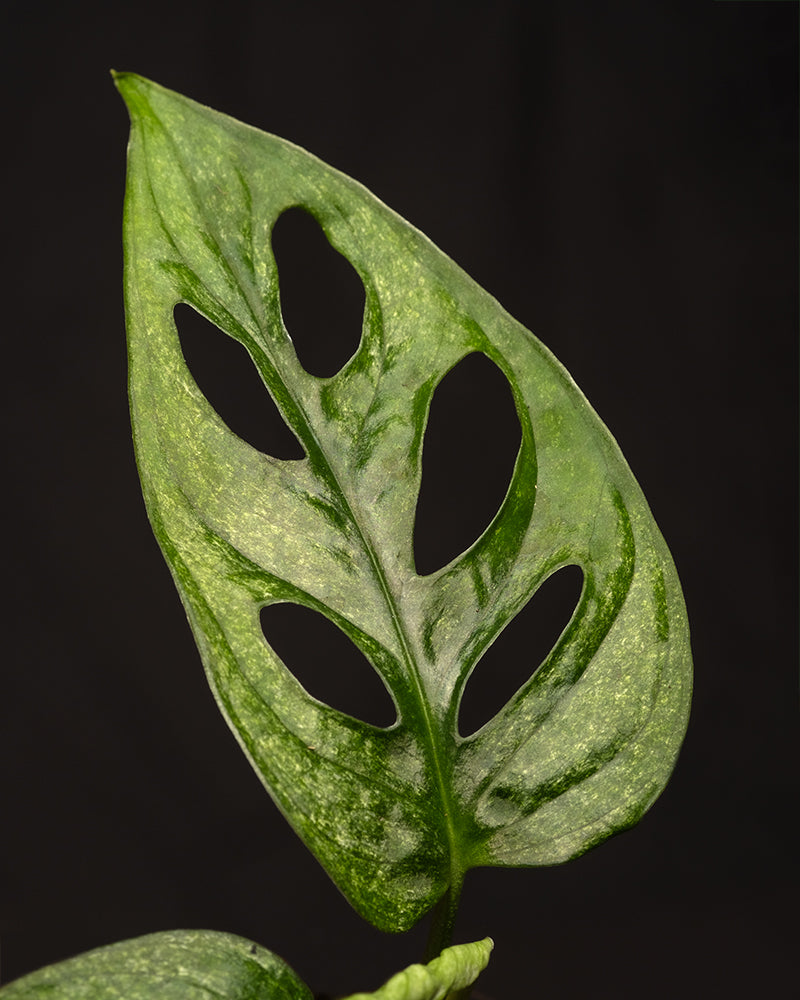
[395, 815]
[171, 965]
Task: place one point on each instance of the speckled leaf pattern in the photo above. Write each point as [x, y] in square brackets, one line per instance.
[454, 970]
[171, 965]
[395, 815]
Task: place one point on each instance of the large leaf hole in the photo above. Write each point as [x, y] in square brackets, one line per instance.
[228, 379]
[470, 447]
[322, 296]
[519, 649]
[328, 665]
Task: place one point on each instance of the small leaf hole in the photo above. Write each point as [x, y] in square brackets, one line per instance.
[519, 649]
[470, 447]
[228, 379]
[322, 296]
[328, 665]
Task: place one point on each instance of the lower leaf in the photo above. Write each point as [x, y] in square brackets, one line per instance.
[170, 965]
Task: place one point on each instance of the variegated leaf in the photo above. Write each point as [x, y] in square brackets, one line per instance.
[396, 815]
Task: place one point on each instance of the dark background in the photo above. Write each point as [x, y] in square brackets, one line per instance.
[622, 177]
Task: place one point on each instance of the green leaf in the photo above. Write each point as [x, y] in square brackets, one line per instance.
[172, 965]
[455, 969]
[396, 815]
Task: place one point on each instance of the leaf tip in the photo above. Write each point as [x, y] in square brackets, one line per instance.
[132, 88]
[120, 78]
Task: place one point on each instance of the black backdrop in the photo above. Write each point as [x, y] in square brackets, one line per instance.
[622, 177]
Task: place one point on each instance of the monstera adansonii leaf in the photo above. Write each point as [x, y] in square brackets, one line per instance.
[170, 965]
[396, 815]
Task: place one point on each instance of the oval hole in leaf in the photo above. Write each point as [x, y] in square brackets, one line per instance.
[519, 649]
[328, 665]
[471, 444]
[227, 377]
[322, 295]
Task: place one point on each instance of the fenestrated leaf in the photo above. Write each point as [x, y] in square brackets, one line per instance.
[171, 965]
[395, 815]
[454, 970]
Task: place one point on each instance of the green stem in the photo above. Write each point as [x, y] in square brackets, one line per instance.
[440, 936]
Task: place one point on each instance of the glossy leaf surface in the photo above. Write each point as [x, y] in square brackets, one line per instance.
[454, 970]
[395, 815]
[172, 965]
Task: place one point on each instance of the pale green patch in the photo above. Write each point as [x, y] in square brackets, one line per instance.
[454, 970]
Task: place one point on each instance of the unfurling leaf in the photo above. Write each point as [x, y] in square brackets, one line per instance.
[171, 965]
[399, 814]
[455, 969]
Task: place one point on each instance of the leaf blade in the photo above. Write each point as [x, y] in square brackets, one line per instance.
[170, 965]
[394, 815]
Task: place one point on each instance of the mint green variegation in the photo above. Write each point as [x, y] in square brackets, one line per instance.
[453, 971]
[171, 965]
[396, 816]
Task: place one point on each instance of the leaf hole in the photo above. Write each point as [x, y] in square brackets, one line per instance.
[519, 649]
[322, 295]
[470, 447]
[227, 377]
[327, 663]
